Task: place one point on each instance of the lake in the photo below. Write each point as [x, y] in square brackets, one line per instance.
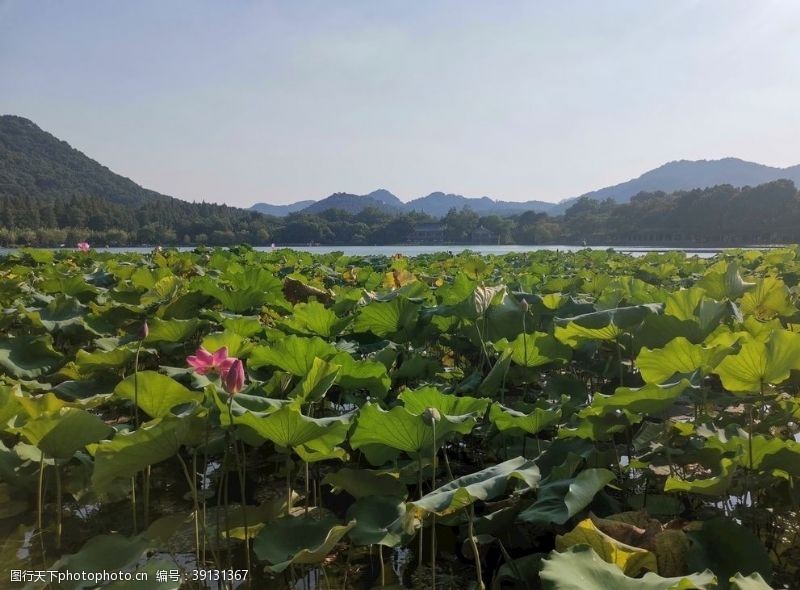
[416, 250]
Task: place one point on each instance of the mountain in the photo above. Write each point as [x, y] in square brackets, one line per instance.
[281, 210]
[387, 198]
[354, 203]
[690, 174]
[438, 204]
[50, 188]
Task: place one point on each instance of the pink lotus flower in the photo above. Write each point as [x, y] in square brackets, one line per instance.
[83, 246]
[233, 380]
[205, 362]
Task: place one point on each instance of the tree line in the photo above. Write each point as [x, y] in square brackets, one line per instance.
[720, 215]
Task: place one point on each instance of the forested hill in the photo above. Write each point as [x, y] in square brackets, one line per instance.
[52, 193]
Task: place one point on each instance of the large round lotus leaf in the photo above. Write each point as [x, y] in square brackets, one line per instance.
[293, 354]
[62, 314]
[287, 427]
[769, 298]
[631, 560]
[364, 482]
[158, 394]
[103, 360]
[298, 540]
[608, 324]
[483, 485]
[678, 356]
[364, 374]
[62, 433]
[727, 285]
[417, 401]
[171, 330]
[379, 521]
[560, 499]
[751, 582]
[726, 548]
[28, 357]
[237, 346]
[715, 485]
[758, 363]
[650, 399]
[400, 429]
[533, 350]
[392, 318]
[314, 319]
[128, 453]
[316, 383]
[102, 553]
[580, 568]
[536, 420]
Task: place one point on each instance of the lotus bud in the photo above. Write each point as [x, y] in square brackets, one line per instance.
[233, 380]
[144, 330]
[431, 415]
[524, 305]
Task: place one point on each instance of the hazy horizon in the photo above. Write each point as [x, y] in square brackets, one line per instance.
[280, 102]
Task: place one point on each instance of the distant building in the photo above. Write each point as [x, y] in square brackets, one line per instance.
[428, 233]
[481, 235]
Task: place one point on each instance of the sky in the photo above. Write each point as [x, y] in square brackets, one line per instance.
[241, 101]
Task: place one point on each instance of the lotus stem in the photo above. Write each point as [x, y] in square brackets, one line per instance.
[241, 471]
[421, 524]
[192, 481]
[475, 552]
[308, 493]
[133, 504]
[383, 567]
[146, 485]
[58, 507]
[40, 505]
[288, 485]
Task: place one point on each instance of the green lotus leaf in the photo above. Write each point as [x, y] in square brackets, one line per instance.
[602, 422]
[531, 422]
[302, 540]
[392, 318]
[73, 285]
[533, 350]
[682, 304]
[62, 314]
[9, 406]
[559, 500]
[726, 548]
[287, 427]
[157, 393]
[60, 434]
[102, 553]
[608, 324]
[293, 354]
[28, 357]
[365, 482]
[495, 379]
[486, 484]
[237, 345]
[171, 330]
[314, 319]
[716, 485]
[362, 375]
[400, 429]
[727, 285]
[324, 447]
[769, 298]
[316, 383]
[751, 582]
[103, 360]
[758, 363]
[650, 399]
[378, 521]
[631, 560]
[678, 356]
[129, 452]
[417, 401]
[580, 568]
[244, 326]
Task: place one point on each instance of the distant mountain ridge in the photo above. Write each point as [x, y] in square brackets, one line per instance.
[671, 177]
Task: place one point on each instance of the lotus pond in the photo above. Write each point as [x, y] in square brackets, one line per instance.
[559, 421]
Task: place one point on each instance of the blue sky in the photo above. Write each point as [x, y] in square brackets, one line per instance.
[241, 101]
